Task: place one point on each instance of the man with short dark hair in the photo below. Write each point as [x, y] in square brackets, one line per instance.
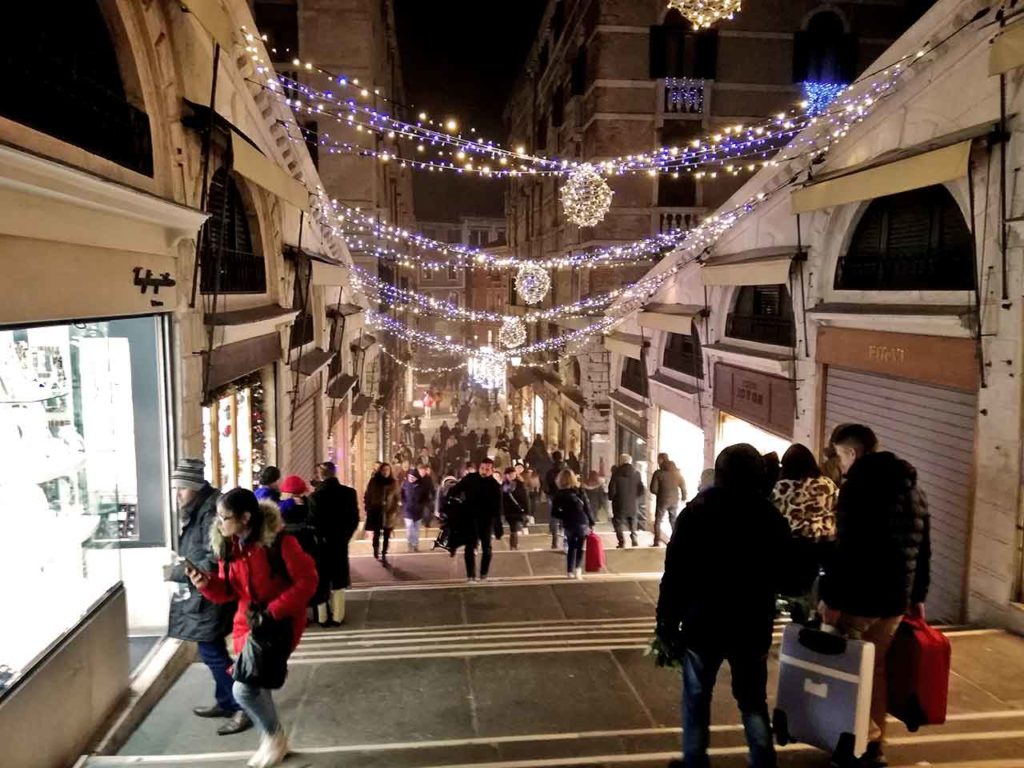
[481, 493]
[880, 567]
[269, 488]
[626, 492]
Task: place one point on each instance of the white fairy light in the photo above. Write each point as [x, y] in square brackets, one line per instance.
[532, 283]
[586, 196]
[704, 13]
[512, 333]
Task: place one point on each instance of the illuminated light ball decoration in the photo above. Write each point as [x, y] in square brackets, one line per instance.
[532, 283]
[704, 13]
[586, 196]
[512, 333]
[487, 369]
[818, 97]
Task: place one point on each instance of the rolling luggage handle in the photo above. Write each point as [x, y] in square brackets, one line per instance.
[826, 641]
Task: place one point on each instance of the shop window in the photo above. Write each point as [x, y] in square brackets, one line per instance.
[279, 21]
[233, 436]
[683, 354]
[913, 241]
[763, 313]
[84, 451]
[70, 82]
[229, 262]
[675, 51]
[634, 377]
[578, 79]
[824, 53]
[302, 331]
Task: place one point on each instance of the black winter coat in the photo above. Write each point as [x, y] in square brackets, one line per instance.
[194, 617]
[882, 555]
[515, 503]
[626, 491]
[550, 486]
[481, 516]
[722, 568]
[336, 518]
[571, 507]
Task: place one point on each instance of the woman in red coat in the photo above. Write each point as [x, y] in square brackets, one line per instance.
[266, 578]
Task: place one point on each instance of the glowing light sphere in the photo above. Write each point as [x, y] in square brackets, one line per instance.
[532, 283]
[512, 333]
[586, 196]
[487, 369]
[703, 13]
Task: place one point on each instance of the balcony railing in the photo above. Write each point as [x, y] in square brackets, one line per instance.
[766, 330]
[76, 110]
[239, 272]
[681, 96]
[664, 220]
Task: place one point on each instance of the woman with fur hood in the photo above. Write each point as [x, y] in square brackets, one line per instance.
[272, 579]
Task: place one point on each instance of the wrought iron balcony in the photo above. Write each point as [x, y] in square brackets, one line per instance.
[664, 220]
[681, 96]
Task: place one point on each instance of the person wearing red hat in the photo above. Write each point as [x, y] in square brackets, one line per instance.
[298, 515]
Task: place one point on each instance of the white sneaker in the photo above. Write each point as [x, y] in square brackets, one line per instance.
[570, 575]
[579, 573]
[277, 749]
[260, 755]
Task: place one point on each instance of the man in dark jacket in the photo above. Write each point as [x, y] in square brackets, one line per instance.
[427, 492]
[550, 488]
[335, 519]
[482, 504]
[669, 491]
[717, 600]
[192, 616]
[626, 491]
[880, 566]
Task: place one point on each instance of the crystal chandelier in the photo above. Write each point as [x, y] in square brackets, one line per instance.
[704, 13]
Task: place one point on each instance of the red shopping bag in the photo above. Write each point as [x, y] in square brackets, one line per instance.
[595, 553]
[918, 674]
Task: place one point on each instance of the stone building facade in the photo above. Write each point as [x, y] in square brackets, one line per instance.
[884, 290]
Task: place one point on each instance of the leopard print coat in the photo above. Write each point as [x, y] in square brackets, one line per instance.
[809, 506]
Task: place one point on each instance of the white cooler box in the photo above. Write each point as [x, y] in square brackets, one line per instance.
[824, 694]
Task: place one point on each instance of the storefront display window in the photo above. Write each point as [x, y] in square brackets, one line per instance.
[84, 453]
[538, 414]
[233, 434]
[732, 431]
[684, 444]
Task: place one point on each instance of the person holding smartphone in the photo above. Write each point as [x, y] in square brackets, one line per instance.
[193, 617]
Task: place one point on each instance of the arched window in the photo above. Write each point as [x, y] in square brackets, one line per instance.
[912, 241]
[228, 243]
[683, 354]
[824, 60]
[763, 313]
[634, 377]
[70, 84]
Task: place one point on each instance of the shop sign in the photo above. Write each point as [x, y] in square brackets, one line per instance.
[765, 400]
[630, 420]
[941, 360]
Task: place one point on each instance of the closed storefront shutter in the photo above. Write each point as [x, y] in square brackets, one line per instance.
[933, 429]
[303, 439]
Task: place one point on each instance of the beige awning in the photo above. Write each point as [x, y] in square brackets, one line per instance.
[674, 318]
[211, 15]
[1007, 51]
[884, 177]
[329, 274]
[760, 266]
[626, 344]
[248, 162]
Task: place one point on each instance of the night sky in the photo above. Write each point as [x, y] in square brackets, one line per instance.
[457, 62]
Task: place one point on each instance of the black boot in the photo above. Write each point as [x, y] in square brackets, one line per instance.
[873, 757]
[239, 722]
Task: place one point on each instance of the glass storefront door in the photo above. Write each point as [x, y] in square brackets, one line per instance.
[84, 454]
[684, 444]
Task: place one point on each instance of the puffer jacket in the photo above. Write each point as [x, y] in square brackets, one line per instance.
[246, 573]
[570, 506]
[882, 555]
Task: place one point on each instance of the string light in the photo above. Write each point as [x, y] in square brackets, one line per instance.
[704, 13]
[419, 369]
[819, 96]
[487, 368]
[512, 333]
[586, 196]
[532, 283]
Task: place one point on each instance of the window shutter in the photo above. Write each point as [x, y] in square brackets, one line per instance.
[705, 59]
[657, 49]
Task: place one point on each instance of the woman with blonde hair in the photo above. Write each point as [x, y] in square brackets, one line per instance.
[570, 506]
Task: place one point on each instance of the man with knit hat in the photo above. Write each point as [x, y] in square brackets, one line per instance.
[192, 616]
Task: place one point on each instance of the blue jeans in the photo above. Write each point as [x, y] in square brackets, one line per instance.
[412, 532]
[574, 551]
[749, 684]
[258, 704]
[214, 654]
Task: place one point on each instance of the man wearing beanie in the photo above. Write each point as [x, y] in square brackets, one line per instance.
[192, 616]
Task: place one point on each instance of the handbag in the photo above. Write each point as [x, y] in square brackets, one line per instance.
[263, 662]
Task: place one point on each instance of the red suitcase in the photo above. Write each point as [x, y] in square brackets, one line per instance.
[595, 553]
[918, 674]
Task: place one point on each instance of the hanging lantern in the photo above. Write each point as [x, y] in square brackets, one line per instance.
[532, 283]
[512, 333]
[586, 196]
[704, 13]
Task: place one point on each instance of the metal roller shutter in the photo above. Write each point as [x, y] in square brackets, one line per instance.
[303, 439]
[933, 429]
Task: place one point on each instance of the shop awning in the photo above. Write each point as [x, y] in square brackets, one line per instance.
[672, 383]
[312, 361]
[1007, 51]
[361, 405]
[521, 379]
[213, 19]
[363, 343]
[325, 270]
[340, 386]
[265, 313]
[343, 310]
[674, 318]
[232, 361]
[627, 400]
[934, 162]
[626, 344]
[759, 266]
[253, 165]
